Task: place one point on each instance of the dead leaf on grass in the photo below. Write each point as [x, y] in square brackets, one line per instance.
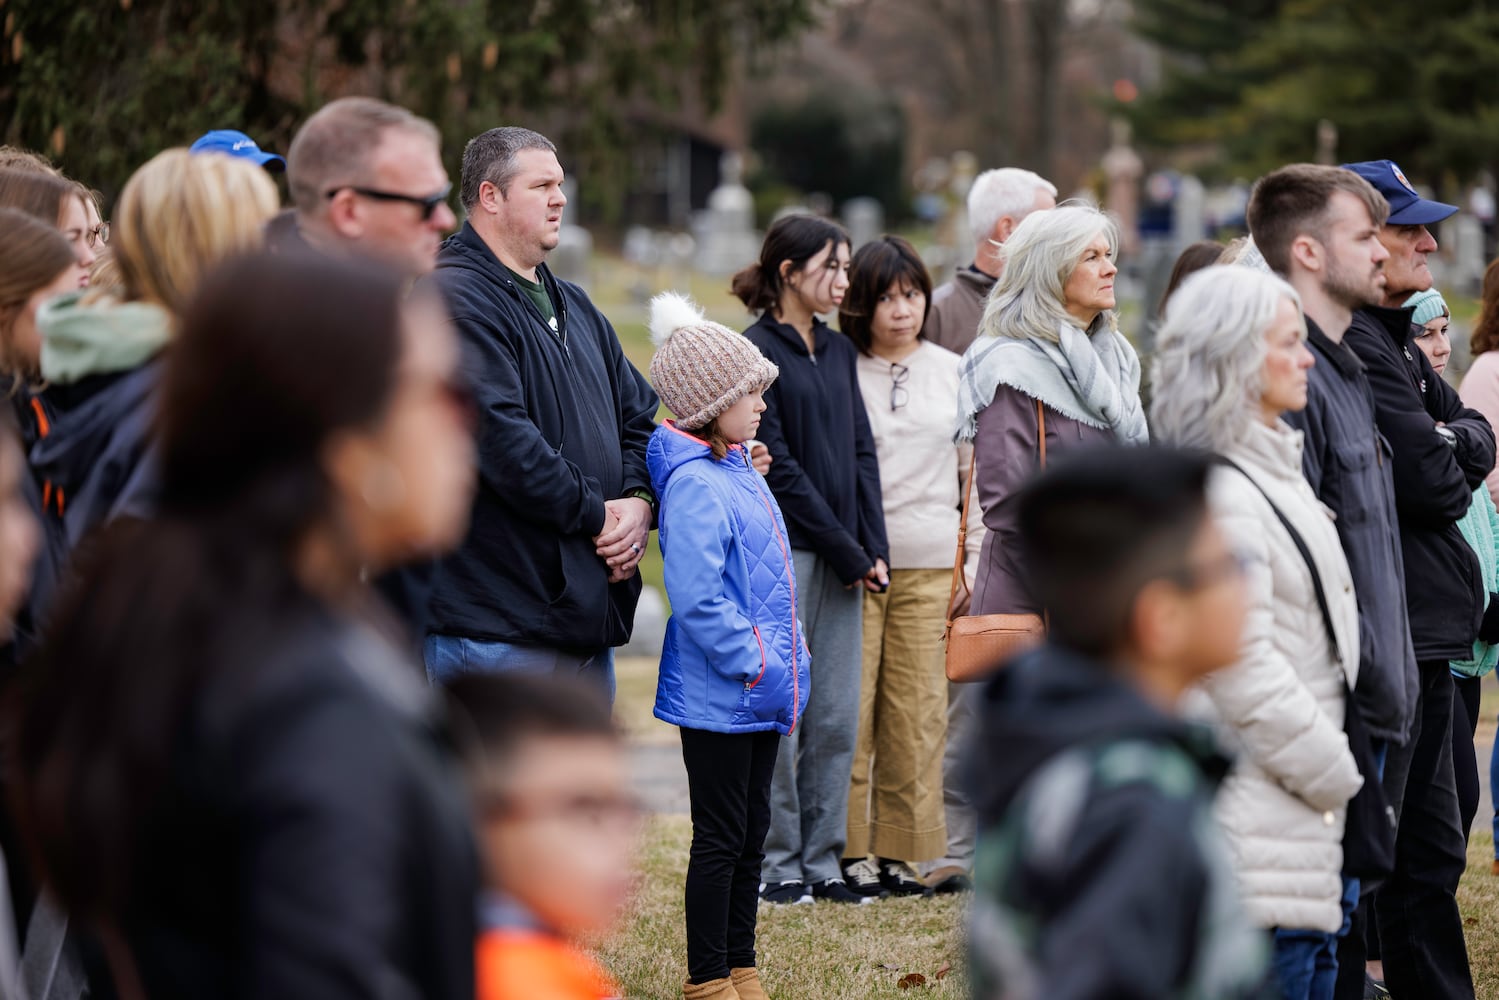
[888, 967]
[911, 979]
[946, 968]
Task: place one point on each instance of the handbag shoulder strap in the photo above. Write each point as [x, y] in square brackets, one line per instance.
[957, 569]
[1306, 555]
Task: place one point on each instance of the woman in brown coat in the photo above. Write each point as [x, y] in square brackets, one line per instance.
[1049, 352]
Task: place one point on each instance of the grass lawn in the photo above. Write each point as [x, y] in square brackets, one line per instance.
[826, 951]
[829, 952]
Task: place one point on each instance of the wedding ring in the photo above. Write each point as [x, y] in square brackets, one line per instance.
[635, 548]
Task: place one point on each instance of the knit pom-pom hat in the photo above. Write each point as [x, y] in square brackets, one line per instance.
[701, 368]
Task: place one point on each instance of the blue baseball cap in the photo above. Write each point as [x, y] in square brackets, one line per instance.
[232, 143]
[1407, 208]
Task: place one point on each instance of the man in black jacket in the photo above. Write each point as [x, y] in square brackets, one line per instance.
[1318, 227]
[1441, 452]
[546, 579]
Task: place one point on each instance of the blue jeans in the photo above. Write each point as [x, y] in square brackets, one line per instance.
[449, 656]
[1306, 964]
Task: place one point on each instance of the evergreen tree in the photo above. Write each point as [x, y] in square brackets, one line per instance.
[102, 85]
[1418, 83]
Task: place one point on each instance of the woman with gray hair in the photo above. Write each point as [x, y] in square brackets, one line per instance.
[1230, 360]
[1049, 372]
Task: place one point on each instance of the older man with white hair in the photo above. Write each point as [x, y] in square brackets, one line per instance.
[997, 202]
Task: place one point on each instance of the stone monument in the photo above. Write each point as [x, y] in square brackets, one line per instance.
[573, 257]
[1123, 168]
[728, 237]
[864, 218]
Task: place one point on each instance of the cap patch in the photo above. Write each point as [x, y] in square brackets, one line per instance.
[1400, 176]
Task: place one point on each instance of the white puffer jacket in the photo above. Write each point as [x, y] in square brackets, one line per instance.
[1280, 708]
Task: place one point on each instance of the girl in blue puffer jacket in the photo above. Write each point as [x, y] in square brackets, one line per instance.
[734, 667]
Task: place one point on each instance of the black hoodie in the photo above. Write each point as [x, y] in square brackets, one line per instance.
[1099, 870]
[564, 420]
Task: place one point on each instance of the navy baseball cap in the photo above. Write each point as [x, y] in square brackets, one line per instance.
[228, 141]
[1407, 208]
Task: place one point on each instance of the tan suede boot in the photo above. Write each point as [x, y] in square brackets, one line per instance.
[747, 982]
[716, 989]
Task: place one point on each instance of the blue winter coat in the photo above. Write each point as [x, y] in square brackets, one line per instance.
[735, 659]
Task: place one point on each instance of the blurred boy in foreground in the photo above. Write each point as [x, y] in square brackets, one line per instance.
[1099, 872]
[557, 828]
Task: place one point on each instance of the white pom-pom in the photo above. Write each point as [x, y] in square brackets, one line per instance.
[669, 313]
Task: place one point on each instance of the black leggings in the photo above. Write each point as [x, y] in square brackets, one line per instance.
[1467, 692]
[728, 779]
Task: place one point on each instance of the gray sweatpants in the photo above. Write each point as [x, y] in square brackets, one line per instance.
[962, 729]
[809, 793]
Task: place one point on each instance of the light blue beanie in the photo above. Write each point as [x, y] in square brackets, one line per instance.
[1429, 306]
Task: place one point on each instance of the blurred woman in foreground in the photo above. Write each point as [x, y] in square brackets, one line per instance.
[228, 771]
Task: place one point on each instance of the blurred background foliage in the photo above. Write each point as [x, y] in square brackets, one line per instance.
[1251, 80]
[101, 85]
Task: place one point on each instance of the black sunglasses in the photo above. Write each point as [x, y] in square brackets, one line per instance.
[428, 205]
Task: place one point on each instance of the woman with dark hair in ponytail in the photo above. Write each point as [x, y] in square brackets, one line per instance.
[228, 770]
[826, 477]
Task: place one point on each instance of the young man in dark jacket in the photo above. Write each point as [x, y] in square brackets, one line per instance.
[546, 579]
[1441, 452]
[1099, 869]
[1318, 227]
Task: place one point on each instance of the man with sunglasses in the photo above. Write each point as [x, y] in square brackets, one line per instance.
[546, 580]
[367, 180]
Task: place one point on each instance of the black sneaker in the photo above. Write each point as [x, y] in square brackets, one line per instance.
[785, 892]
[900, 880]
[864, 878]
[949, 879]
[834, 891]
[1374, 989]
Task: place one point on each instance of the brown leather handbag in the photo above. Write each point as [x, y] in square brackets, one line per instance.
[978, 645]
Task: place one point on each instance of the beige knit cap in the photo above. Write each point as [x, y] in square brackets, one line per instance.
[701, 368]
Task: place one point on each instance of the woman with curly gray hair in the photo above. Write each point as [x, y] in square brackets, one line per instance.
[1049, 372]
[1231, 359]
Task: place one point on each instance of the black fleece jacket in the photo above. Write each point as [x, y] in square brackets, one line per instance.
[1434, 480]
[564, 420]
[824, 471]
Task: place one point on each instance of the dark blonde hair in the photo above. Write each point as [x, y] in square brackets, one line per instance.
[1485, 336]
[718, 445]
[180, 214]
[40, 195]
[32, 255]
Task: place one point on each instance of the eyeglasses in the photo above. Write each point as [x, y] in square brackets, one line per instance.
[899, 394]
[593, 812]
[95, 237]
[428, 205]
[1229, 565]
